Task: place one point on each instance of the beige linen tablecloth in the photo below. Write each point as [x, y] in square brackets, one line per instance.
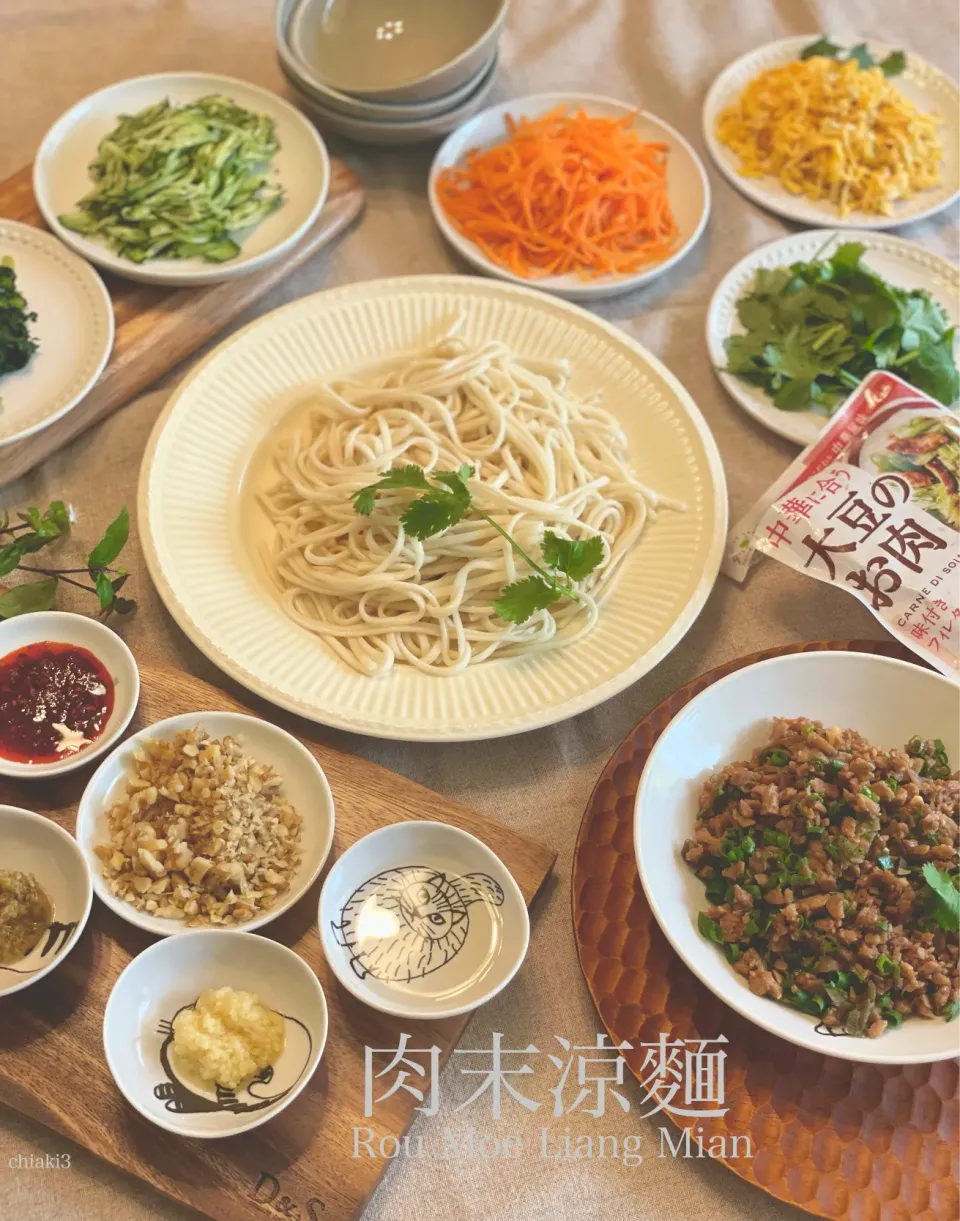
[659, 54]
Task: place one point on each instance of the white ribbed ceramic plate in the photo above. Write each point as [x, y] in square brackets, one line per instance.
[924, 85]
[903, 264]
[74, 328]
[192, 527]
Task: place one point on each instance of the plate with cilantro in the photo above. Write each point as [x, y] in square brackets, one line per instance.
[794, 327]
[56, 330]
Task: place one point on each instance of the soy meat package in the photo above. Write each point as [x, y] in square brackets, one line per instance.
[873, 506]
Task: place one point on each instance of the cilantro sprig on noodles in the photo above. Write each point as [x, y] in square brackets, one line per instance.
[179, 182]
[445, 500]
[812, 331]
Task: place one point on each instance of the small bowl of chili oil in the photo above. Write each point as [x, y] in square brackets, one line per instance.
[68, 688]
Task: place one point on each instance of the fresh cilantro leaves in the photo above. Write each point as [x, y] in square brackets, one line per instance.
[576, 558]
[16, 343]
[813, 331]
[446, 500]
[397, 477]
[945, 897]
[35, 530]
[892, 65]
[521, 599]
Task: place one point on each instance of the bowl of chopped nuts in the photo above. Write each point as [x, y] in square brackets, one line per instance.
[205, 820]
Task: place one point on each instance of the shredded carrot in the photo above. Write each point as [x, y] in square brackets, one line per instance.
[565, 193]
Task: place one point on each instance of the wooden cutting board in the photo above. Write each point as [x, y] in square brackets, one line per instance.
[300, 1163]
[156, 326]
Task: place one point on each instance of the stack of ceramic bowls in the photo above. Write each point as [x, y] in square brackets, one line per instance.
[390, 71]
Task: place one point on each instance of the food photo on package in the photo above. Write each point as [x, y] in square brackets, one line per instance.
[873, 506]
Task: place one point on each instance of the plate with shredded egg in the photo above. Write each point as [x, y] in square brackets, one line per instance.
[865, 137]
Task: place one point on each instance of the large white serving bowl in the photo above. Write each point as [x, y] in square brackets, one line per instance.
[885, 700]
[304, 784]
[418, 50]
[400, 132]
[217, 588]
[61, 176]
[32, 843]
[904, 264]
[687, 185]
[169, 977]
[925, 86]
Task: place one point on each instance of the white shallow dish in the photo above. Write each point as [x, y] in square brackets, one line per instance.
[924, 85]
[215, 588]
[301, 166]
[422, 920]
[888, 702]
[411, 50]
[904, 264]
[402, 132]
[687, 185]
[34, 844]
[304, 784]
[61, 627]
[74, 328]
[168, 977]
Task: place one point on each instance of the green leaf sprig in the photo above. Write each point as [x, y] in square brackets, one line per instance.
[32, 532]
[944, 897]
[445, 500]
[892, 65]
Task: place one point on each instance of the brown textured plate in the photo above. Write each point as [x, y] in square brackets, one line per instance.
[853, 1142]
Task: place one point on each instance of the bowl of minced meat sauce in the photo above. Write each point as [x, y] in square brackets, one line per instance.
[830, 867]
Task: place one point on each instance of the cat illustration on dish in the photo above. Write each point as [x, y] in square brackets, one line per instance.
[58, 937]
[182, 1098]
[420, 921]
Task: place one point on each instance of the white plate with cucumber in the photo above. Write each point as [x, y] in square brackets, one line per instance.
[204, 178]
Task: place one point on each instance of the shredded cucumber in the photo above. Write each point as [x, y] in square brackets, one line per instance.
[178, 182]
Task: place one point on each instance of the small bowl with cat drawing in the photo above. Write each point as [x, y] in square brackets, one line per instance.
[214, 999]
[45, 896]
[422, 920]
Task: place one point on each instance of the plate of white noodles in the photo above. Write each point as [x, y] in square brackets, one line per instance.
[433, 508]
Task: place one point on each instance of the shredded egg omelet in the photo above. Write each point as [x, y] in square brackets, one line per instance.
[834, 131]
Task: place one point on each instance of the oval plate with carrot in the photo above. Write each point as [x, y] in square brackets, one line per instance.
[579, 195]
